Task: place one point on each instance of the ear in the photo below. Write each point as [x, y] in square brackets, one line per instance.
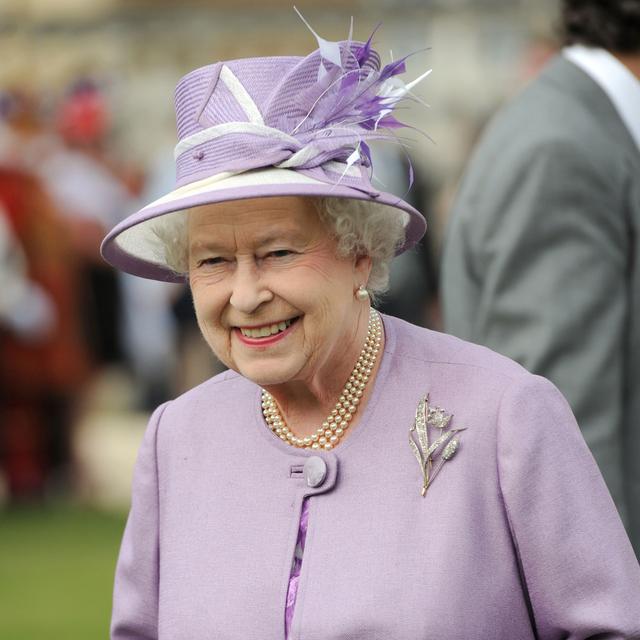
[362, 269]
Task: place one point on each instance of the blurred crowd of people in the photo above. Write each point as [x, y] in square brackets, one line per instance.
[62, 309]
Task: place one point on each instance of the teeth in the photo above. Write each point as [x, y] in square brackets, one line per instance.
[268, 330]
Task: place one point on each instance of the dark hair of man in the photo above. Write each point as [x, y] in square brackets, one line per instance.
[611, 24]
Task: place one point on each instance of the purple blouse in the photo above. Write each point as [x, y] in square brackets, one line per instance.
[296, 566]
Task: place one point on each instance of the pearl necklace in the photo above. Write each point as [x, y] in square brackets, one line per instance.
[328, 435]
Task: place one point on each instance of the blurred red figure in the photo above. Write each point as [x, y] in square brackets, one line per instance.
[83, 118]
[40, 376]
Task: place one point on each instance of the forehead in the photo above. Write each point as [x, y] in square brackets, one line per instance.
[257, 219]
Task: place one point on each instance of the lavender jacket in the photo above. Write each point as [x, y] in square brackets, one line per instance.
[517, 537]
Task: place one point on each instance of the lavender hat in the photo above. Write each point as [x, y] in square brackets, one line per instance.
[274, 126]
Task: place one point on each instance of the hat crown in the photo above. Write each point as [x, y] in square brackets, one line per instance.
[283, 90]
[289, 112]
[258, 77]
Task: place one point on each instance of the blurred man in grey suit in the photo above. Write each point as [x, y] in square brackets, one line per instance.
[541, 259]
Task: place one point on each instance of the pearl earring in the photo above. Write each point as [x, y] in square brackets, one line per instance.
[362, 293]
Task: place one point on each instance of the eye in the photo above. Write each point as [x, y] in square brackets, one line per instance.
[213, 261]
[280, 253]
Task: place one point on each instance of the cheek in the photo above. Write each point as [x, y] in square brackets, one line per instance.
[208, 311]
[327, 303]
[322, 276]
[208, 304]
[316, 293]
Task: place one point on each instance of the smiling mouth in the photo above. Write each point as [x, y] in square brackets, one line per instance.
[267, 330]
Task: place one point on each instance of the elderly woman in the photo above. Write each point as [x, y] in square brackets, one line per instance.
[350, 475]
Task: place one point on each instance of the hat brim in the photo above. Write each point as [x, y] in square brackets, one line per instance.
[133, 245]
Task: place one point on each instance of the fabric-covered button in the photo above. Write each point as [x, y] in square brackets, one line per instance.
[315, 471]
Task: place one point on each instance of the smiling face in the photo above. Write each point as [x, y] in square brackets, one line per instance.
[273, 299]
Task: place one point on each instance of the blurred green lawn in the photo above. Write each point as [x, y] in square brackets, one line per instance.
[56, 572]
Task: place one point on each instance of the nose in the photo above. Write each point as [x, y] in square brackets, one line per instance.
[249, 292]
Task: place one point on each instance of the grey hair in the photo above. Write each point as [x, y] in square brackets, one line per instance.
[365, 228]
[360, 228]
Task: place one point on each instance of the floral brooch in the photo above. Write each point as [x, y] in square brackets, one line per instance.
[432, 421]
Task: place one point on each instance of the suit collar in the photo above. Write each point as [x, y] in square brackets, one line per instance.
[620, 85]
[588, 96]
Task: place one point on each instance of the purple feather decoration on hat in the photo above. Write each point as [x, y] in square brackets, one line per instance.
[353, 99]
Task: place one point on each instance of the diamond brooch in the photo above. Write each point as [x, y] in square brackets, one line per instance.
[432, 422]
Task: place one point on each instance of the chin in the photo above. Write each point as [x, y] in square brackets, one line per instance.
[266, 374]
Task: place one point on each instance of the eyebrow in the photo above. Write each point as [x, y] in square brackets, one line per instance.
[273, 237]
[269, 238]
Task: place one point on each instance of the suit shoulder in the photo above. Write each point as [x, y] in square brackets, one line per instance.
[217, 393]
[550, 115]
[441, 350]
